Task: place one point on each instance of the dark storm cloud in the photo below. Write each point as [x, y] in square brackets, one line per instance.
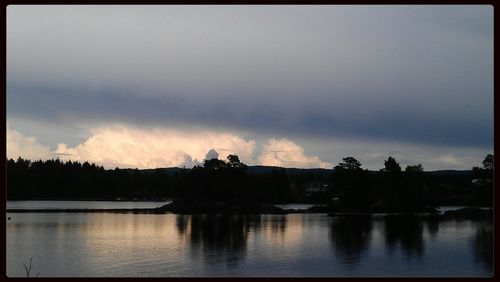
[285, 118]
[421, 74]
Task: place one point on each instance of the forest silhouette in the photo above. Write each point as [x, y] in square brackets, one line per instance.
[348, 187]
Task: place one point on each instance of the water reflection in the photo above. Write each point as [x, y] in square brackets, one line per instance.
[482, 244]
[406, 231]
[351, 235]
[244, 245]
[277, 224]
[433, 226]
[216, 238]
[182, 221]
[275, 229]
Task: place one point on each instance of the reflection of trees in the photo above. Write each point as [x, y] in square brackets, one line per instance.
[218, 237]
[433, 226]
[406, 231]
[182, 223]
[351, 237]
[277, 223]
[483, 246]
[254, 221]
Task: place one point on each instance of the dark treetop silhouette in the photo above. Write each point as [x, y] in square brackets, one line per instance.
[232, 186]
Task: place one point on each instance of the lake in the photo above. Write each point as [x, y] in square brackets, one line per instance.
[29, 205]
[168, 245]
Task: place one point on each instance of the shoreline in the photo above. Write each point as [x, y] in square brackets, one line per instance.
[94, 200]
[467, 212]
[137, 210]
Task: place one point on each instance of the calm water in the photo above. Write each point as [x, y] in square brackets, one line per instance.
[82, 204]
[129, 205]
[104, 244]
[296, 206]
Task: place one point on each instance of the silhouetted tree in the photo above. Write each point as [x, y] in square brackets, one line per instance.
[391, 165]
[487, 170]
[214, 164]
[414, 192]
[277, 186]
[392, 184]
[414, 168]
[349, 163]
[217, 180]
[483, 186]
[350, 181]
[55, 179]
[230, 180]
[233, 161]
[488, 162]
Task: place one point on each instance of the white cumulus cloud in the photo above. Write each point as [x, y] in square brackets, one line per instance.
[123, 146]
[212, 154]
[19, 145]
[286, 153]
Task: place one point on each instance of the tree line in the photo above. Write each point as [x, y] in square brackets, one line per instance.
[229, 180]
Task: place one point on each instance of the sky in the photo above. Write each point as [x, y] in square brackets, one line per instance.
[293, 86]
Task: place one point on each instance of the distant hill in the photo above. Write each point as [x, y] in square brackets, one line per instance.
[167, 170]
[260, 169]
[450, 172]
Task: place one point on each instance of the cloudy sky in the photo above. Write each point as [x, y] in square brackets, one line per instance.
[294, 86]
